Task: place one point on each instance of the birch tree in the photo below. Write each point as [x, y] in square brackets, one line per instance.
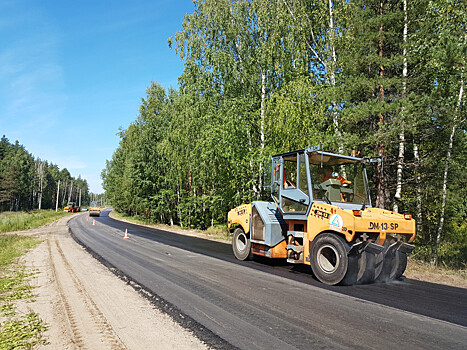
[400, 158]
[442, 42]
[41, 168]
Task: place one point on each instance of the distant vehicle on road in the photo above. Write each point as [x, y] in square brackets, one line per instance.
[71, 207]
[84, 209]
[95, 209]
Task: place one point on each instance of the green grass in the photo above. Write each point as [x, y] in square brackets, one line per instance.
[17, 331]
[133, 219]
[15, 221]
[219, 232]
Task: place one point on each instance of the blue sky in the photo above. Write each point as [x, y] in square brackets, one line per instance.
[73, 72]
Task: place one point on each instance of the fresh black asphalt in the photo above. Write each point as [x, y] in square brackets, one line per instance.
[269, 303]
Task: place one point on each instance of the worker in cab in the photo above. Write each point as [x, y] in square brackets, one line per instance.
[329, 174]
[288, 179]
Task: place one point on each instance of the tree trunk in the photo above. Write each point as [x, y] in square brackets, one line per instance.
[71, 192]
[262, 137]
[400, 167]
[65, 186]
[332, 78]
[419, 189]
[313, 39]
[252, 168]
[455, 124]
[58, 196]
[401, 158]
[41, 183]
[178, 208]
[382, 188]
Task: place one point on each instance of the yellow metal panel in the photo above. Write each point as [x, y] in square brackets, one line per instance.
[325, 217]
[241, 216]
[380, 220]
[280, 250]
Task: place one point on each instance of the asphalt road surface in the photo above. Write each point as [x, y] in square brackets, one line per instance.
[266, 304]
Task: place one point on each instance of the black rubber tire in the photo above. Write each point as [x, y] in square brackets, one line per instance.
[379, 261]
[384, 266]
[353, 268]
[360, 269]
[400, 264]
[390, 266]
[241, 245]
[329, 260]
[366, 265]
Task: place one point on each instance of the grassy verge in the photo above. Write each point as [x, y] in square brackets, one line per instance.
[421, 266]
[218, 232]
[15, 221]
[17, 330]
[424, 271]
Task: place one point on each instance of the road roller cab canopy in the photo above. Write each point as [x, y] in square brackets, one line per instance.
[299, 178]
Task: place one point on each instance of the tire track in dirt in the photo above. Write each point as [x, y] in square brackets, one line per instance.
[85, 306]
[88, 329]
[71, 328]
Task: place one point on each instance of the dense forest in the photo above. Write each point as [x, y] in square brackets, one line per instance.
[28, 183]
[382, 78]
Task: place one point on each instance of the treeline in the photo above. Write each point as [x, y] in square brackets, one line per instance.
[383, 78]
[28, 183]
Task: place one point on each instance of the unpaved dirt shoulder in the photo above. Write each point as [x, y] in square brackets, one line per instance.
[87, 307]
[422, 271]
[415, 270]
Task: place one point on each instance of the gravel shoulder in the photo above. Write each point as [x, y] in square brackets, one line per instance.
[86, 306]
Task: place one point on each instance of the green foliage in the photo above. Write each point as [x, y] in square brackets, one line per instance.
[15, 221]
[265, 77]
[453, 251]
[27, 183]
[24, 332]
[11, 246]
[16, 331]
